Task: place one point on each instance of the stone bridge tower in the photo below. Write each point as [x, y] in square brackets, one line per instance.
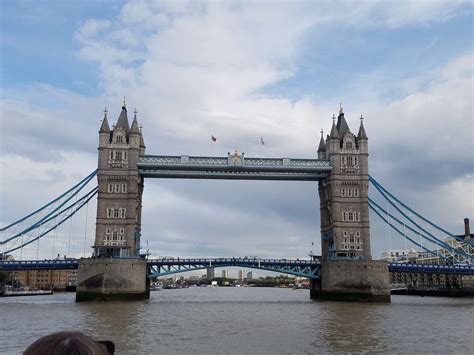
[345, 230]
[116, 271]
[119, 203]
[347, 270]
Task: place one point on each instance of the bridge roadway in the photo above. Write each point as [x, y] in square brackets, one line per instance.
[298, 267]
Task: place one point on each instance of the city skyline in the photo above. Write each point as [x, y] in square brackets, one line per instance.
[260, 78]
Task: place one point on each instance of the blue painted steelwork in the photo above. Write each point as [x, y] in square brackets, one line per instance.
[434, 239]
[379, 186]
[373, 206]
[74, 208]
[304, 268]
[12, 265]
[235, 166]
[431, 268]
[385, 193]
[75, 189]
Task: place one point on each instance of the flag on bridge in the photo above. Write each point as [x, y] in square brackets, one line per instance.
[213, 138]
[261, 141]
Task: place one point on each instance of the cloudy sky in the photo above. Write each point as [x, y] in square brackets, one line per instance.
[240, 71]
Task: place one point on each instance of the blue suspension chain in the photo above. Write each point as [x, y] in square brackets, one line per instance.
[447, 246]
[83, 181]
[90, 195]
[403, 234]
[406, 226]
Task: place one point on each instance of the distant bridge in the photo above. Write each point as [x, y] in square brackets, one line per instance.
[304, 268]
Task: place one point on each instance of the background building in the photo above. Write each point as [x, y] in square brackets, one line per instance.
[210, 273]
[47, 279]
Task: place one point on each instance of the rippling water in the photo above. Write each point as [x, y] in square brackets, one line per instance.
[245, 321]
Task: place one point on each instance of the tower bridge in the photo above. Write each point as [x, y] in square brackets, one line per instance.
[345, 271]
[341, 171]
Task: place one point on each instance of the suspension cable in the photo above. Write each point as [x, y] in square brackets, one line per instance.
[435, 241]
[401, 233]
[83, 181]
[377, 184]
[418, 226]
[93, 191]
[58, 224]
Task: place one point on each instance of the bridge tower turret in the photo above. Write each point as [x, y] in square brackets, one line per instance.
[119, 202]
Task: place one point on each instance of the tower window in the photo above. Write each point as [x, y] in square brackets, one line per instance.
[119, 139]
[349, 145]
[124, 188]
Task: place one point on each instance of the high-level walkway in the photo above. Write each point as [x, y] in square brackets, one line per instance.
[234, 166]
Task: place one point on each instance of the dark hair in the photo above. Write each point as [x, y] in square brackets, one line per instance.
[70, 343]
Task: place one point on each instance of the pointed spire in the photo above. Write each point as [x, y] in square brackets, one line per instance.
[142, 142]
[322, 144]
[342, 126]
[334, 132]
[122, 121]
[362, 134]
[104, 128]
[135, 129]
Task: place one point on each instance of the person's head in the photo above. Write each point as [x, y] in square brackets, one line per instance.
[71, 343]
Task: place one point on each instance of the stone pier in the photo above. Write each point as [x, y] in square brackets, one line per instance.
[112, 279]
[352, 281]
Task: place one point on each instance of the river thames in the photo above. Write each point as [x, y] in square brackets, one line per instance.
[245, 321]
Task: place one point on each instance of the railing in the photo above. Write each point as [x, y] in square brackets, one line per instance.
[38, 264]
[209, 162]
[431, 268]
